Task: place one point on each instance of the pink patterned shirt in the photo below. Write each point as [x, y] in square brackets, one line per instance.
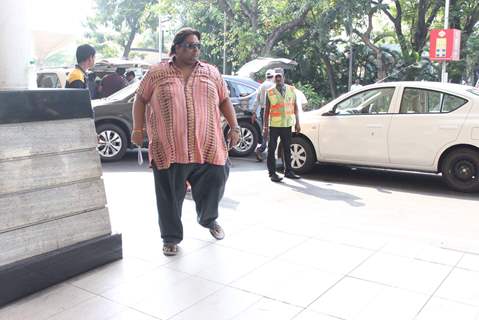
[183, 120]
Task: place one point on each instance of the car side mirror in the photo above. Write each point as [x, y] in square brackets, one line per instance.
[330, 113]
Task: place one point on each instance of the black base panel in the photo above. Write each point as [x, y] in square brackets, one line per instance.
[27, 276]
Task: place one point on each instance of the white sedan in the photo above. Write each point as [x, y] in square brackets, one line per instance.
[417, 126]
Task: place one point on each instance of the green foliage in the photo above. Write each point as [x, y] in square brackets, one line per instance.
[117, 23]
[59, 59]
[314, 33]
[315, 101]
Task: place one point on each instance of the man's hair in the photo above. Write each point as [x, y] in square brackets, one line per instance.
[84, 52]
[130, 73]
[120, 71]
[180, 37]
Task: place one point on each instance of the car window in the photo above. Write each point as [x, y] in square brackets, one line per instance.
[48, 80]
[232, 89]
[428, 101]
[452, 103]
[375, 101]
[474, 91]
[245, 91]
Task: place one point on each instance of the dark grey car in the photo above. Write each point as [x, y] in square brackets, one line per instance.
[113, 119]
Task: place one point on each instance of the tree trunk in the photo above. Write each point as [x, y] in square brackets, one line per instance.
[129, 42]
[380, 63]
[288, 27]
[331, 76]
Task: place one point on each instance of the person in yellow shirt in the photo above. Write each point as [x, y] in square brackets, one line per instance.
[77, 79]
[281, 114]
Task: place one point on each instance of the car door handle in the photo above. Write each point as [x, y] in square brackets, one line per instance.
[375, 126]
[449, 127]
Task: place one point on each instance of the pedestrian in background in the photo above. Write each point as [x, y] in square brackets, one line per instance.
[183, 100]
[130, 77]
[356, 85]
[281, 114]
[113, 82]
[78, 78]
[260, 103]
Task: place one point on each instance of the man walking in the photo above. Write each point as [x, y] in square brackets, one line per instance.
[280, 114]
[78, 79]
[261, 103]
[184, 99]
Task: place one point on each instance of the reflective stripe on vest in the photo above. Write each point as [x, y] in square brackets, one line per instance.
[281, 110]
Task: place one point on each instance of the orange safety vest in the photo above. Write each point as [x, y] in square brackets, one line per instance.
[281, 110]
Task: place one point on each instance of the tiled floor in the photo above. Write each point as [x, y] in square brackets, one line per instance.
[268, 267]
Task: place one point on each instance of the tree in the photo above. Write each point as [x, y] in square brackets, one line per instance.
[367, 39]
[122, 20]
[464, 15]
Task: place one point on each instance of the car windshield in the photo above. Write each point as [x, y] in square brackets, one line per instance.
[124, 93]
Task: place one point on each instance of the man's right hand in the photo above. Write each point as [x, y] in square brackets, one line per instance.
[137, 137]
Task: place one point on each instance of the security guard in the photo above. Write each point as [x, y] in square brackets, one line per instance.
[281, 114]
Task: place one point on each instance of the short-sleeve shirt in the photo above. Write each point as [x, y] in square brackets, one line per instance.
[76, 79]
[183, 120]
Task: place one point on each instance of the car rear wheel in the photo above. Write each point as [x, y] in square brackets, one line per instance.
[112, 142]
[460, 170]
[248, 141]
[302, 155]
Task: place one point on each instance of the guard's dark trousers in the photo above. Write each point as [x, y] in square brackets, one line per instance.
[285, 135]
[207, 188]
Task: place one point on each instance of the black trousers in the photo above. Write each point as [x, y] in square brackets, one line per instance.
[285, 135]
[207, 188]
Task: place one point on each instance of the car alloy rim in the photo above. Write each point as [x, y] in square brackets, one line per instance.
[109, 143]
[465, 170]
[246, 140]
[298, 156]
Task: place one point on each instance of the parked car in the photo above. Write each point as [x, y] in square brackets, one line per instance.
[113, 119]
[57, 77]
[417, 126]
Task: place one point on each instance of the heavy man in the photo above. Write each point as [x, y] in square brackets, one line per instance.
[183, 100]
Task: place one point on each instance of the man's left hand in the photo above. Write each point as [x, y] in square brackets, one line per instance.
[233, 138]
[297, 127]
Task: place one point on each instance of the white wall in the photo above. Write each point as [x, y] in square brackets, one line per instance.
[15, 44]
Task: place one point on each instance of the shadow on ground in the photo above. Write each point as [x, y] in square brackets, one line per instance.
[387, 181]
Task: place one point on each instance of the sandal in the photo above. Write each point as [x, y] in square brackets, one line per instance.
[170, 249]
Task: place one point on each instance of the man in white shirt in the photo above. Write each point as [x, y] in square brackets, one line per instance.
[356, 85]
[301, 100]
[260, 103]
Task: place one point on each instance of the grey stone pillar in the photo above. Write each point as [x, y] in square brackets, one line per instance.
[54, 223]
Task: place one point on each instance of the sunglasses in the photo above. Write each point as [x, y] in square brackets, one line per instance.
[195, 45]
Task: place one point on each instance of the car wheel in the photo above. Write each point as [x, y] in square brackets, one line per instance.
[302, 155]
[112, 142]
[248, 141]
[460, 170]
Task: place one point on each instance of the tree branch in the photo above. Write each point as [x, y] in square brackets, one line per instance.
[226, 6]
[472, 21]
[286, 27]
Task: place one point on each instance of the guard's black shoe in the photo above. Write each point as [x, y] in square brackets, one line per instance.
[275, 178]
[291, 175]
[259, 155]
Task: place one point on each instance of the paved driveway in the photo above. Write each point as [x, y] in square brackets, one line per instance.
[338, 244]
